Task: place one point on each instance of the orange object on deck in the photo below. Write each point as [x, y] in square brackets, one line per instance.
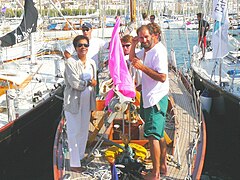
[137, 99]
[100, 105]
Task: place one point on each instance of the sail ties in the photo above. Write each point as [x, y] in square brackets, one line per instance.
[12, 104]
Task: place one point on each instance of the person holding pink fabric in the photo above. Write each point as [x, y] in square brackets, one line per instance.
[118, 69]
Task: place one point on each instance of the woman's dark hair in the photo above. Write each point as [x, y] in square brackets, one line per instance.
[78, 38]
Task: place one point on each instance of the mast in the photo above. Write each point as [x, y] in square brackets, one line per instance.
[133, 10]
[70, 25]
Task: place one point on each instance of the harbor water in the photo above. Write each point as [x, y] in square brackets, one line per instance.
[181, 41]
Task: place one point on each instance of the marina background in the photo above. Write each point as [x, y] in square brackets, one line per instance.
[222, 139]
[181, 41]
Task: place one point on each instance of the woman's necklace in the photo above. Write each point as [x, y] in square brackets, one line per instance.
[83, 63]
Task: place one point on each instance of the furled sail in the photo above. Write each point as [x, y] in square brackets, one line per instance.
[118, 67]
[27, 26]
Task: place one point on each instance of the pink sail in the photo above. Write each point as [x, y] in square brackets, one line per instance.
[118, 67]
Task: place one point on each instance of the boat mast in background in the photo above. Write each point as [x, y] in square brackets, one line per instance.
[20, 4]
[63, 16]
[133, 12]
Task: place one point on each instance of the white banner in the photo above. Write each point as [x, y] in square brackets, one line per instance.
[219, 9]
[220, 31]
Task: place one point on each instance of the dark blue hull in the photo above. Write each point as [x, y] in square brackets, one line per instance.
[26, 144]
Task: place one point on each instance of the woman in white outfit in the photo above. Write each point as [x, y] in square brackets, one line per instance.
[79, 100]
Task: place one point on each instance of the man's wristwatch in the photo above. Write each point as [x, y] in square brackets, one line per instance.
[89, 82]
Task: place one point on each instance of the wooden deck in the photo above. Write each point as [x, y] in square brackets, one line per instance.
[185, 128]
[181, 127]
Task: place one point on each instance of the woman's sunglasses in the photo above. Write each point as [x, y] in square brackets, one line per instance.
[126, 45]
[80, 45]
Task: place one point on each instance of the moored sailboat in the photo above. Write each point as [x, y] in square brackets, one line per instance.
[181, 114]
[217, 76]
[218, 73]
[30, 106]
[186, 153]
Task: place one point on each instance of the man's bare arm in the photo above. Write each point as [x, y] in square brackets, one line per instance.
[132, 53]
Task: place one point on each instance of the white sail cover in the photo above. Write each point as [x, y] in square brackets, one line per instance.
[220, 31]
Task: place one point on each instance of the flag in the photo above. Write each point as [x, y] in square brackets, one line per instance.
[118, 67]
[114, 172]
[4, 9]
[27, 26]
[220, 31]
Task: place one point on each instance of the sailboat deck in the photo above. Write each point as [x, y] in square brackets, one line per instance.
[180, 128]
[185, 128]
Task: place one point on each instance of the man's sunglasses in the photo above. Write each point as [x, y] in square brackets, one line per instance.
[80, 45]
[126, 45]
[85, 30]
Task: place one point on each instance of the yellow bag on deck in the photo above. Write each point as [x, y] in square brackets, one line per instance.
[113, 151]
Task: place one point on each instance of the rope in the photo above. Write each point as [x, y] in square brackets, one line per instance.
[99, 172]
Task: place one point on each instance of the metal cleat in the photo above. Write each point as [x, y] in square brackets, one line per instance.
[172, 162]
